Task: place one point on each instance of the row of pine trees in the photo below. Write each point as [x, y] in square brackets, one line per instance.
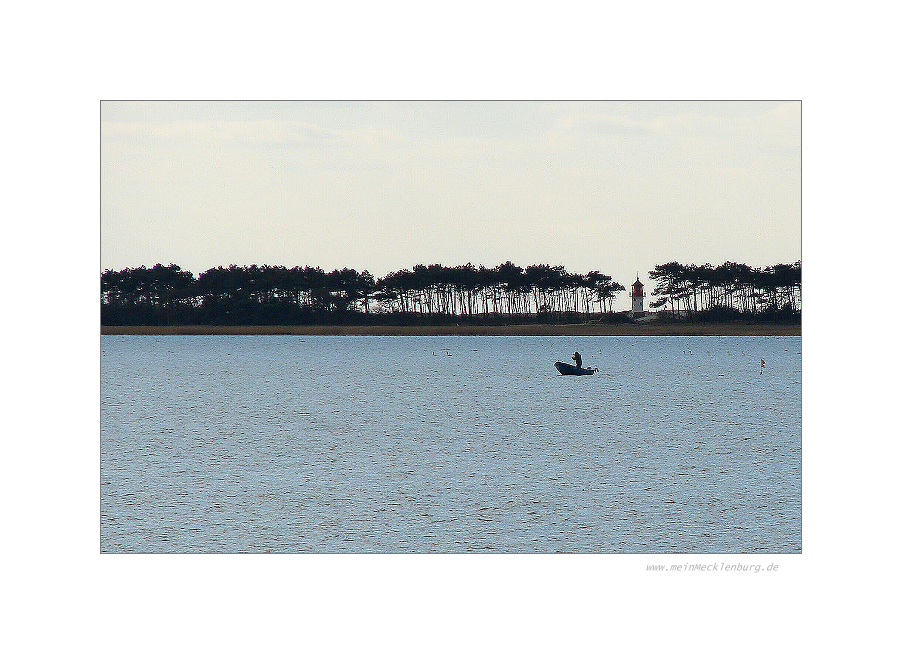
[280, 295]
[730, 287]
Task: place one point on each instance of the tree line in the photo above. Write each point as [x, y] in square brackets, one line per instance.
[730, 289]
[300, 295]
[435, 294]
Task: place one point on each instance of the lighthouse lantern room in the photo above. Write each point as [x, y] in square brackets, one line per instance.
[638, 293]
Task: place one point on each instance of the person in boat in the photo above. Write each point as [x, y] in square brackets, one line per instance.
[578, 359]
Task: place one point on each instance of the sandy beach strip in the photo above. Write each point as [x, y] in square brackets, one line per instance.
[584, 329]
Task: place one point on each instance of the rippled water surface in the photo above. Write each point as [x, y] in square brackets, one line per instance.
[449, 444]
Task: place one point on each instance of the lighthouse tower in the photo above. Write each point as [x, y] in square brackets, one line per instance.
[637, 294]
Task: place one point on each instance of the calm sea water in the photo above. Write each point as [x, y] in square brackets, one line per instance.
[450, 444]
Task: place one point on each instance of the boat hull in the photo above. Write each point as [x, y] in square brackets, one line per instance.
[567, 369]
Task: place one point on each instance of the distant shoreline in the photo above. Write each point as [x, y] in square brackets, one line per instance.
[584, 329]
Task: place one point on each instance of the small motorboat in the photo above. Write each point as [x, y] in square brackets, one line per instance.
[567, 369]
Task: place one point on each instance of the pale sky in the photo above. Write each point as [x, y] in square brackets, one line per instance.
[612, 186]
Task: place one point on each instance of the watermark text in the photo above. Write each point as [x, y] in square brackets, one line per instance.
[719, 566]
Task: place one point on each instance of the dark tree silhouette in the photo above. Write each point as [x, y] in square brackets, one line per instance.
[507, 293]
[730, 290]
